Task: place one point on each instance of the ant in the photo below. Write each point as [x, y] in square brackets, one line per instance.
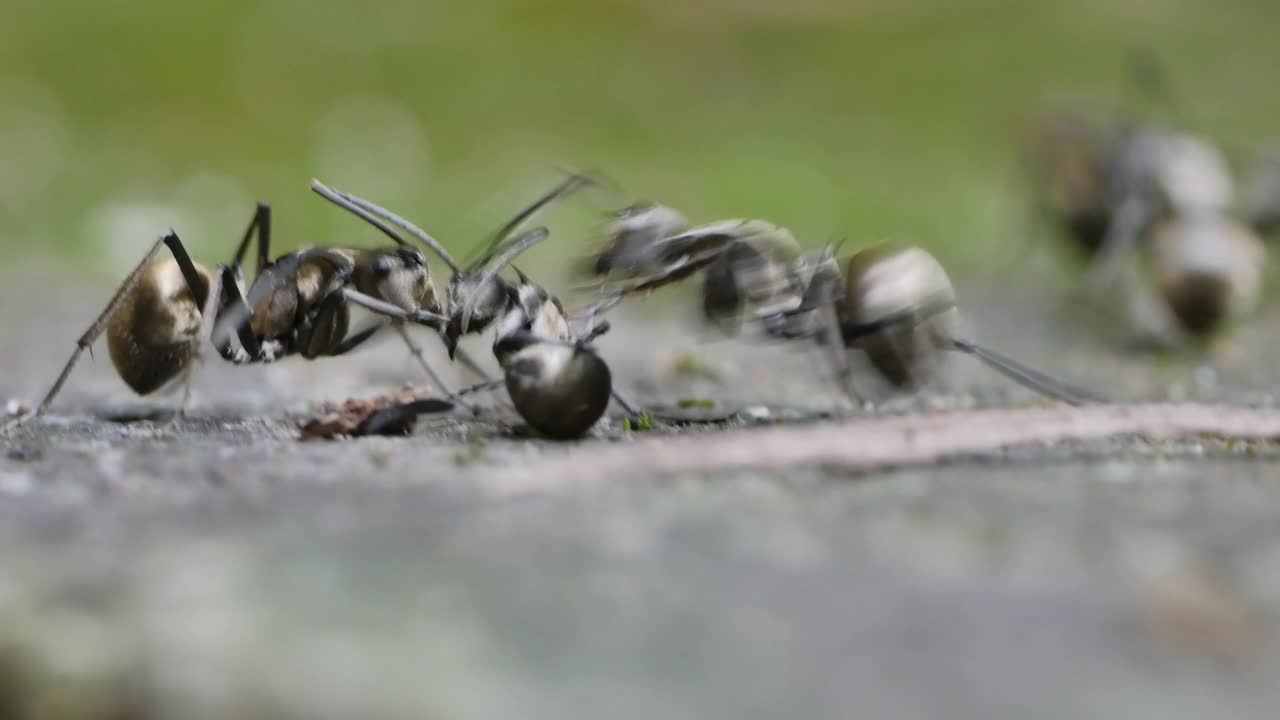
[896, 305]
[298, 304]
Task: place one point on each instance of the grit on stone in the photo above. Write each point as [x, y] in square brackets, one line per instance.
[217, 567]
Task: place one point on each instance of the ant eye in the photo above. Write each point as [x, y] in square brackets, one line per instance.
[382, 266]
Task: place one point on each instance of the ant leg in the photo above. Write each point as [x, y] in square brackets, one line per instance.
[236, 311]
[416, 351]
[86, 340]
[399, 315]
[833, 338]
[382, 307]
[320, 334]
[207, 312]
[486, 386]
[1027, 377]
[468, 362]
[1122, 237]
[195, 282]
[574, 182]
[261, 222]
[630, 408]
[357, 339]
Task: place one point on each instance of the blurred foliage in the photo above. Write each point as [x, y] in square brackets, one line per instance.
[857, 119]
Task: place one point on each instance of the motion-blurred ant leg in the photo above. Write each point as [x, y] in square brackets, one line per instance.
[91, 334]
[594, 331]
[466, 361]
[630, 408]
[1025, 376]
[261, 222]
[1121, 238]
[416, 351]
[486, 386]
[833, 338]
[574, 182]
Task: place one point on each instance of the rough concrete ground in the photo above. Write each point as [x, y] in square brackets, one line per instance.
[218, 568]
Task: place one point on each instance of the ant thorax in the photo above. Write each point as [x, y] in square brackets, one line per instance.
[816, 278]
[545, 316]
[485, 299]
[534, 312]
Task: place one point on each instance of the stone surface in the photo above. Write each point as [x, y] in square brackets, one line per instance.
[220, 568]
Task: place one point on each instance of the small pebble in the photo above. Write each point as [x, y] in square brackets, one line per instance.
[15, 407]
[757, 412]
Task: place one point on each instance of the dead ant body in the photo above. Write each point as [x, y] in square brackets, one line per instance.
[557, 382]
[555, 379]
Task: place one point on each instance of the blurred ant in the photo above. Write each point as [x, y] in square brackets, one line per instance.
[1155, 207]
[897, 306]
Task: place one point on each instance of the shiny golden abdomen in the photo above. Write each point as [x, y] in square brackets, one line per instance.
[152, 337]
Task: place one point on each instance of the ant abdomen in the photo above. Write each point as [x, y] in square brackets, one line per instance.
[901, 308]
[1208, 268]
[559, 389]
[154, 335]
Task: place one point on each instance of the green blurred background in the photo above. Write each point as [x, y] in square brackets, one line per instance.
[863, 119]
